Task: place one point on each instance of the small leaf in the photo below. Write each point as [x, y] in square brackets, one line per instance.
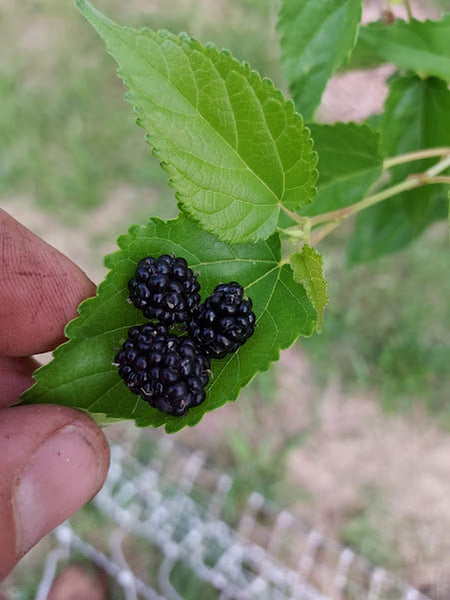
[307, 267]
[417, 115]
[315, 37]
[420, 46]
[349, 163]
[233, 145]
[81, 374]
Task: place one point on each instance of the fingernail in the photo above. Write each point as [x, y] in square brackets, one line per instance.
[61, 476]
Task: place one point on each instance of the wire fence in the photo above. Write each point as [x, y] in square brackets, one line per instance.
[168, 535]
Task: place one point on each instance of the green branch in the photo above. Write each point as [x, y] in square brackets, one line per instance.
[417, 155]
[331, 220]
[426, 178]
[408, 9]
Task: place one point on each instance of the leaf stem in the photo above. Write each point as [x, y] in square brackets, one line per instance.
[322, 232]
[331, 220]
[417, 155]
[427, 177]
[439, 179]
[438, 167]
[408, 9]
[294, 216]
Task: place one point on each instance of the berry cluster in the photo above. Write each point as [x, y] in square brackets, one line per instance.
[166, 370]
[165, 289]
[169, 371]
[224, 321]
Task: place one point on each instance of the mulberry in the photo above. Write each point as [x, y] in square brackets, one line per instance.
[224, 321]
[165, 289]
[167, 371]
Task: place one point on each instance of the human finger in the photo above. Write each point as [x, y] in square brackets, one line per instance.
[39, 292]
[15, 377]
[53, 459]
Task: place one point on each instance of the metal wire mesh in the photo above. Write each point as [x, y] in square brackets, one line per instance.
[173, 507]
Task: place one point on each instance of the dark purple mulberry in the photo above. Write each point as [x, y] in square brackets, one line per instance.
[165, 289]
[224, 321]
[167, 371]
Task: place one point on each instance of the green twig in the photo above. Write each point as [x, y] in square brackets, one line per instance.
[294, 216]
[417, 155]
[428, 177]
[408, 9]
[322, 232]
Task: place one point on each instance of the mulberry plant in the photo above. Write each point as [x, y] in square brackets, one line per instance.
[242, 164]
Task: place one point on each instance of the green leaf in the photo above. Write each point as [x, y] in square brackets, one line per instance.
[307, 267]
[81, 374]
[233, 146]
[420, 46]
[349, 164]
[417, 116]
[316, 36]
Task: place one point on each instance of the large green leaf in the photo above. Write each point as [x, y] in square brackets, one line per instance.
[417, 115]
[82, 375]
[234, 147]
[316, 36]
[420, 46]
[349, 164]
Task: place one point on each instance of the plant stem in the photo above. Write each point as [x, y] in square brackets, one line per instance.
[438, 167]
[408, 9]
[347, 211]
[428, 177]
[417, 155]
[294, 216]
[439, 179]
[319, 234]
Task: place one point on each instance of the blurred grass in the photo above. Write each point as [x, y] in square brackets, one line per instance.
[387, 323]
[68, 136]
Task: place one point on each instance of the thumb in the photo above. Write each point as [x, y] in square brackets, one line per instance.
[53, 459]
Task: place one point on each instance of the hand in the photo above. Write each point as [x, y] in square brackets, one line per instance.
[53, 459]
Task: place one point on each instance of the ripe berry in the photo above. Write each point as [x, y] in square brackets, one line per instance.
[224, 321]
[167, 371]
[165, 289]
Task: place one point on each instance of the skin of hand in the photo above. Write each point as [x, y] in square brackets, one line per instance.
[53, 459]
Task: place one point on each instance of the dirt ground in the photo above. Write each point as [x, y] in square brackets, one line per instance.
[359, 464]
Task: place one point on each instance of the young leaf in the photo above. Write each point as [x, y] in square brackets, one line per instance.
[349, 164]
[315, 37]
[421, 46]
[233, 145]
[307, 267]
[81, 374]
[417, 115]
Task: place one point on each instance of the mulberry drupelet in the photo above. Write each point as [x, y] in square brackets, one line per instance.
[165, 289]
[167, 371]
[224, 321]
